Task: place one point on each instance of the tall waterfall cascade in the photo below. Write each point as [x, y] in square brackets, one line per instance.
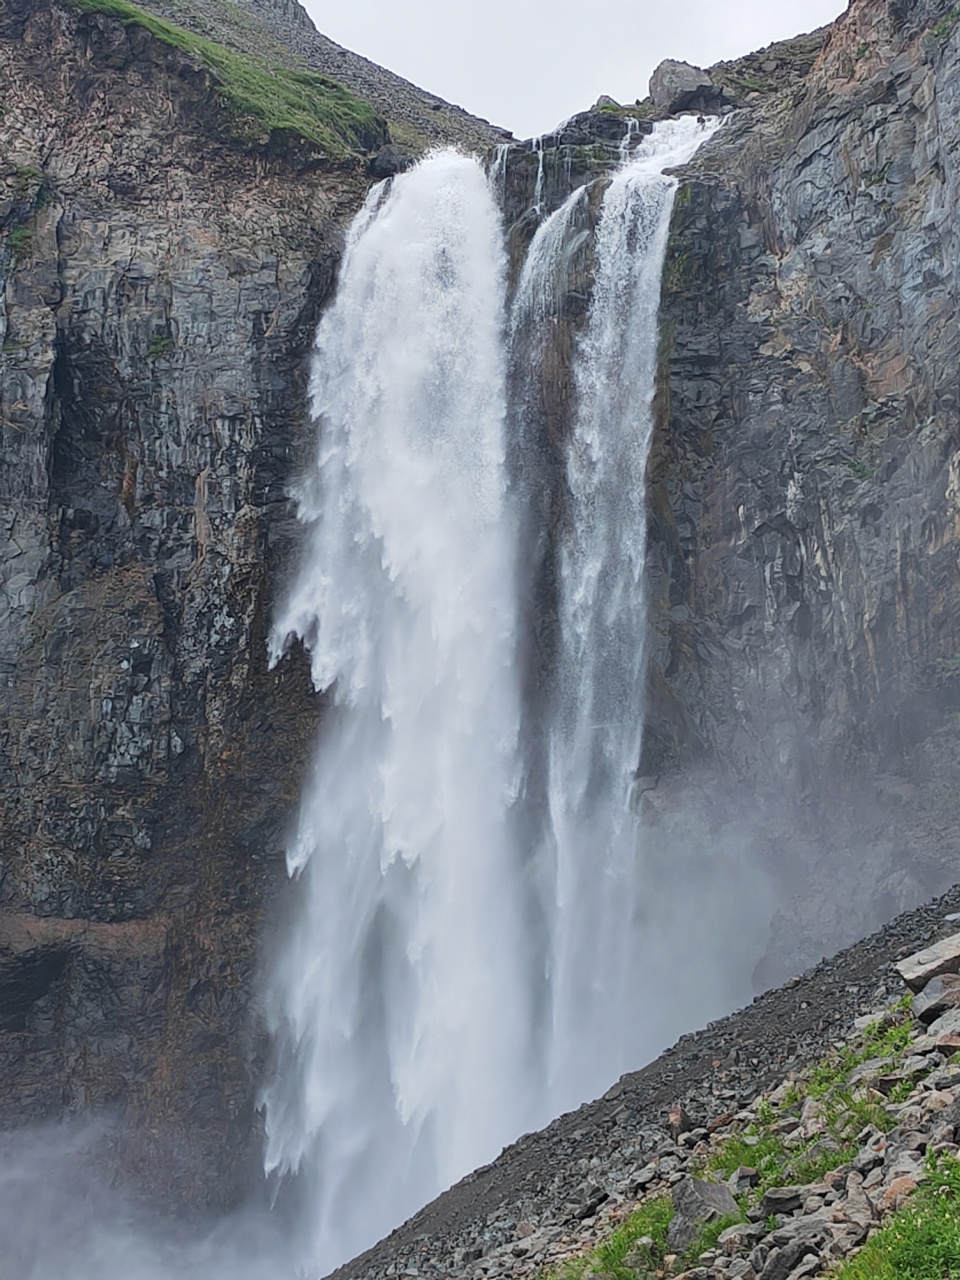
[594, 734]
[443, 988]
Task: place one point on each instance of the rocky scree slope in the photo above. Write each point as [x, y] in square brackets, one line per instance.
[163, 263]
[816, 1105]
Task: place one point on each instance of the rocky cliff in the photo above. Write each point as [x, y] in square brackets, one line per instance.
[802, 560]
[804, 494]
[170, 239]
[168, 244]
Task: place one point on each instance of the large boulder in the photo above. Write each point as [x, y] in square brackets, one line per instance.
[696, 1203]
[678, 86]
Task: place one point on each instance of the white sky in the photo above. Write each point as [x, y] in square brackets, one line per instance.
[528, 64]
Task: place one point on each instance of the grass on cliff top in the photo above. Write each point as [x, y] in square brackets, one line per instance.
[300, 102]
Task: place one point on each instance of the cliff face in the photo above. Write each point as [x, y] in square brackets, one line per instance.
[802, 567]
[804, 502]
[163, 271]
[164, 264]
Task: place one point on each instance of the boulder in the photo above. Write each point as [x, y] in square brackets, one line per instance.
[695, 1203]
[942, 957]
[390, 159]
[781, 1200]
[678, 86]
[939, 995]
[948, 1024]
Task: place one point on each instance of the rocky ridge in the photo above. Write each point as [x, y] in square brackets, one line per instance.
[284, 32]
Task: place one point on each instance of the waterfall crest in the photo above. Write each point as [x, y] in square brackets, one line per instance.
[450, 981]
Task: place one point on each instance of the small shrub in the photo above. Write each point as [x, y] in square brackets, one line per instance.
[944, 29]
[20, 243]
[160, 346]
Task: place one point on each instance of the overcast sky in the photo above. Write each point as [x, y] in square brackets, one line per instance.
[528, 64]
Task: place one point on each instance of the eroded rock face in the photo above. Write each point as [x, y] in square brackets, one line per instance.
[803, 517]
[804, 513]
[161, 289]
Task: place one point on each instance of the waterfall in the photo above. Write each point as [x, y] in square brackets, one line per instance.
[402, 1024]
[594, 734]
[455, 972]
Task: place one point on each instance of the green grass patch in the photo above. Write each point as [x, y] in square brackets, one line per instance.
[160, 346]
[648, 1222]
[944, 29]
[20, 243]
[922, 1241]
[878, 1042]
[710, 1233]
[278, 99]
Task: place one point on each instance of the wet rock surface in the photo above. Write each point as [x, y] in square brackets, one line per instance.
[802, 549]
[802, 564]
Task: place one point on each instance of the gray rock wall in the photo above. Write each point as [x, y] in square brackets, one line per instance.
[161, 285]
[804, 563]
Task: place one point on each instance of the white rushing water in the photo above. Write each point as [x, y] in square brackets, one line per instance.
[442, 988]
[402, 989]
[597, 720]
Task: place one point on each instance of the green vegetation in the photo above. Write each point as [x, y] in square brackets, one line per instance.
[647, 1224]
[944, 29]
[846, 1110]
[877, 177]
[160, 345]
[710, 1233]
[747, 83]
[639, 111]
[279, 99]
[639, 1245]
[27, 177]
[922, 1241]
[20, 243]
